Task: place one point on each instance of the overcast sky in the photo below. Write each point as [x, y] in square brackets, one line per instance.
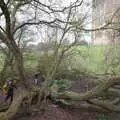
[61, 3]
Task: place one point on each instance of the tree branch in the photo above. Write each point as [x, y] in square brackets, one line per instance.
[6, 13]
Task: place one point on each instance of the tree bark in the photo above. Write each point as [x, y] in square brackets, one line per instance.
[7, 64]
[13, 109]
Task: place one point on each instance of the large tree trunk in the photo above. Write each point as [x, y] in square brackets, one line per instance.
[8, 63]
[14, 108]
[17, 54]
[8, 39]
[21, 69]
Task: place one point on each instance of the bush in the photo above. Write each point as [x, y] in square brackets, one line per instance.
[64, 70]
[83, 42]
[45, 63]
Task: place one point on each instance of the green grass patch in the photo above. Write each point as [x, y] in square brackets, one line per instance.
[92, 58]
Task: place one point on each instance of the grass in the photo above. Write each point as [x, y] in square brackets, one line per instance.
[92, 58]
[31, 59]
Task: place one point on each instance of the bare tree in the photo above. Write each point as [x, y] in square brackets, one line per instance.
[66, 21]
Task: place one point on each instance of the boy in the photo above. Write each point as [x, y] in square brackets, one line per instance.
[10, 90]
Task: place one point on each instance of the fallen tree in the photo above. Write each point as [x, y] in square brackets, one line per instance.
[104, 97]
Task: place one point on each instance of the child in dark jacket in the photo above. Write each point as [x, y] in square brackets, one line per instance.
[10, 92]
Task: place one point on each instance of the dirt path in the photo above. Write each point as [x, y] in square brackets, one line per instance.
[54, 112]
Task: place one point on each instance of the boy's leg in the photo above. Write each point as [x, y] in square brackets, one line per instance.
[36, 81]
[11, 98]
[7, 97]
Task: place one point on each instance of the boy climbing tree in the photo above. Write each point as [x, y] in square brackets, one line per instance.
[8, 89]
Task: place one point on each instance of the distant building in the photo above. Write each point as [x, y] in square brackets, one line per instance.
[101, 14]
